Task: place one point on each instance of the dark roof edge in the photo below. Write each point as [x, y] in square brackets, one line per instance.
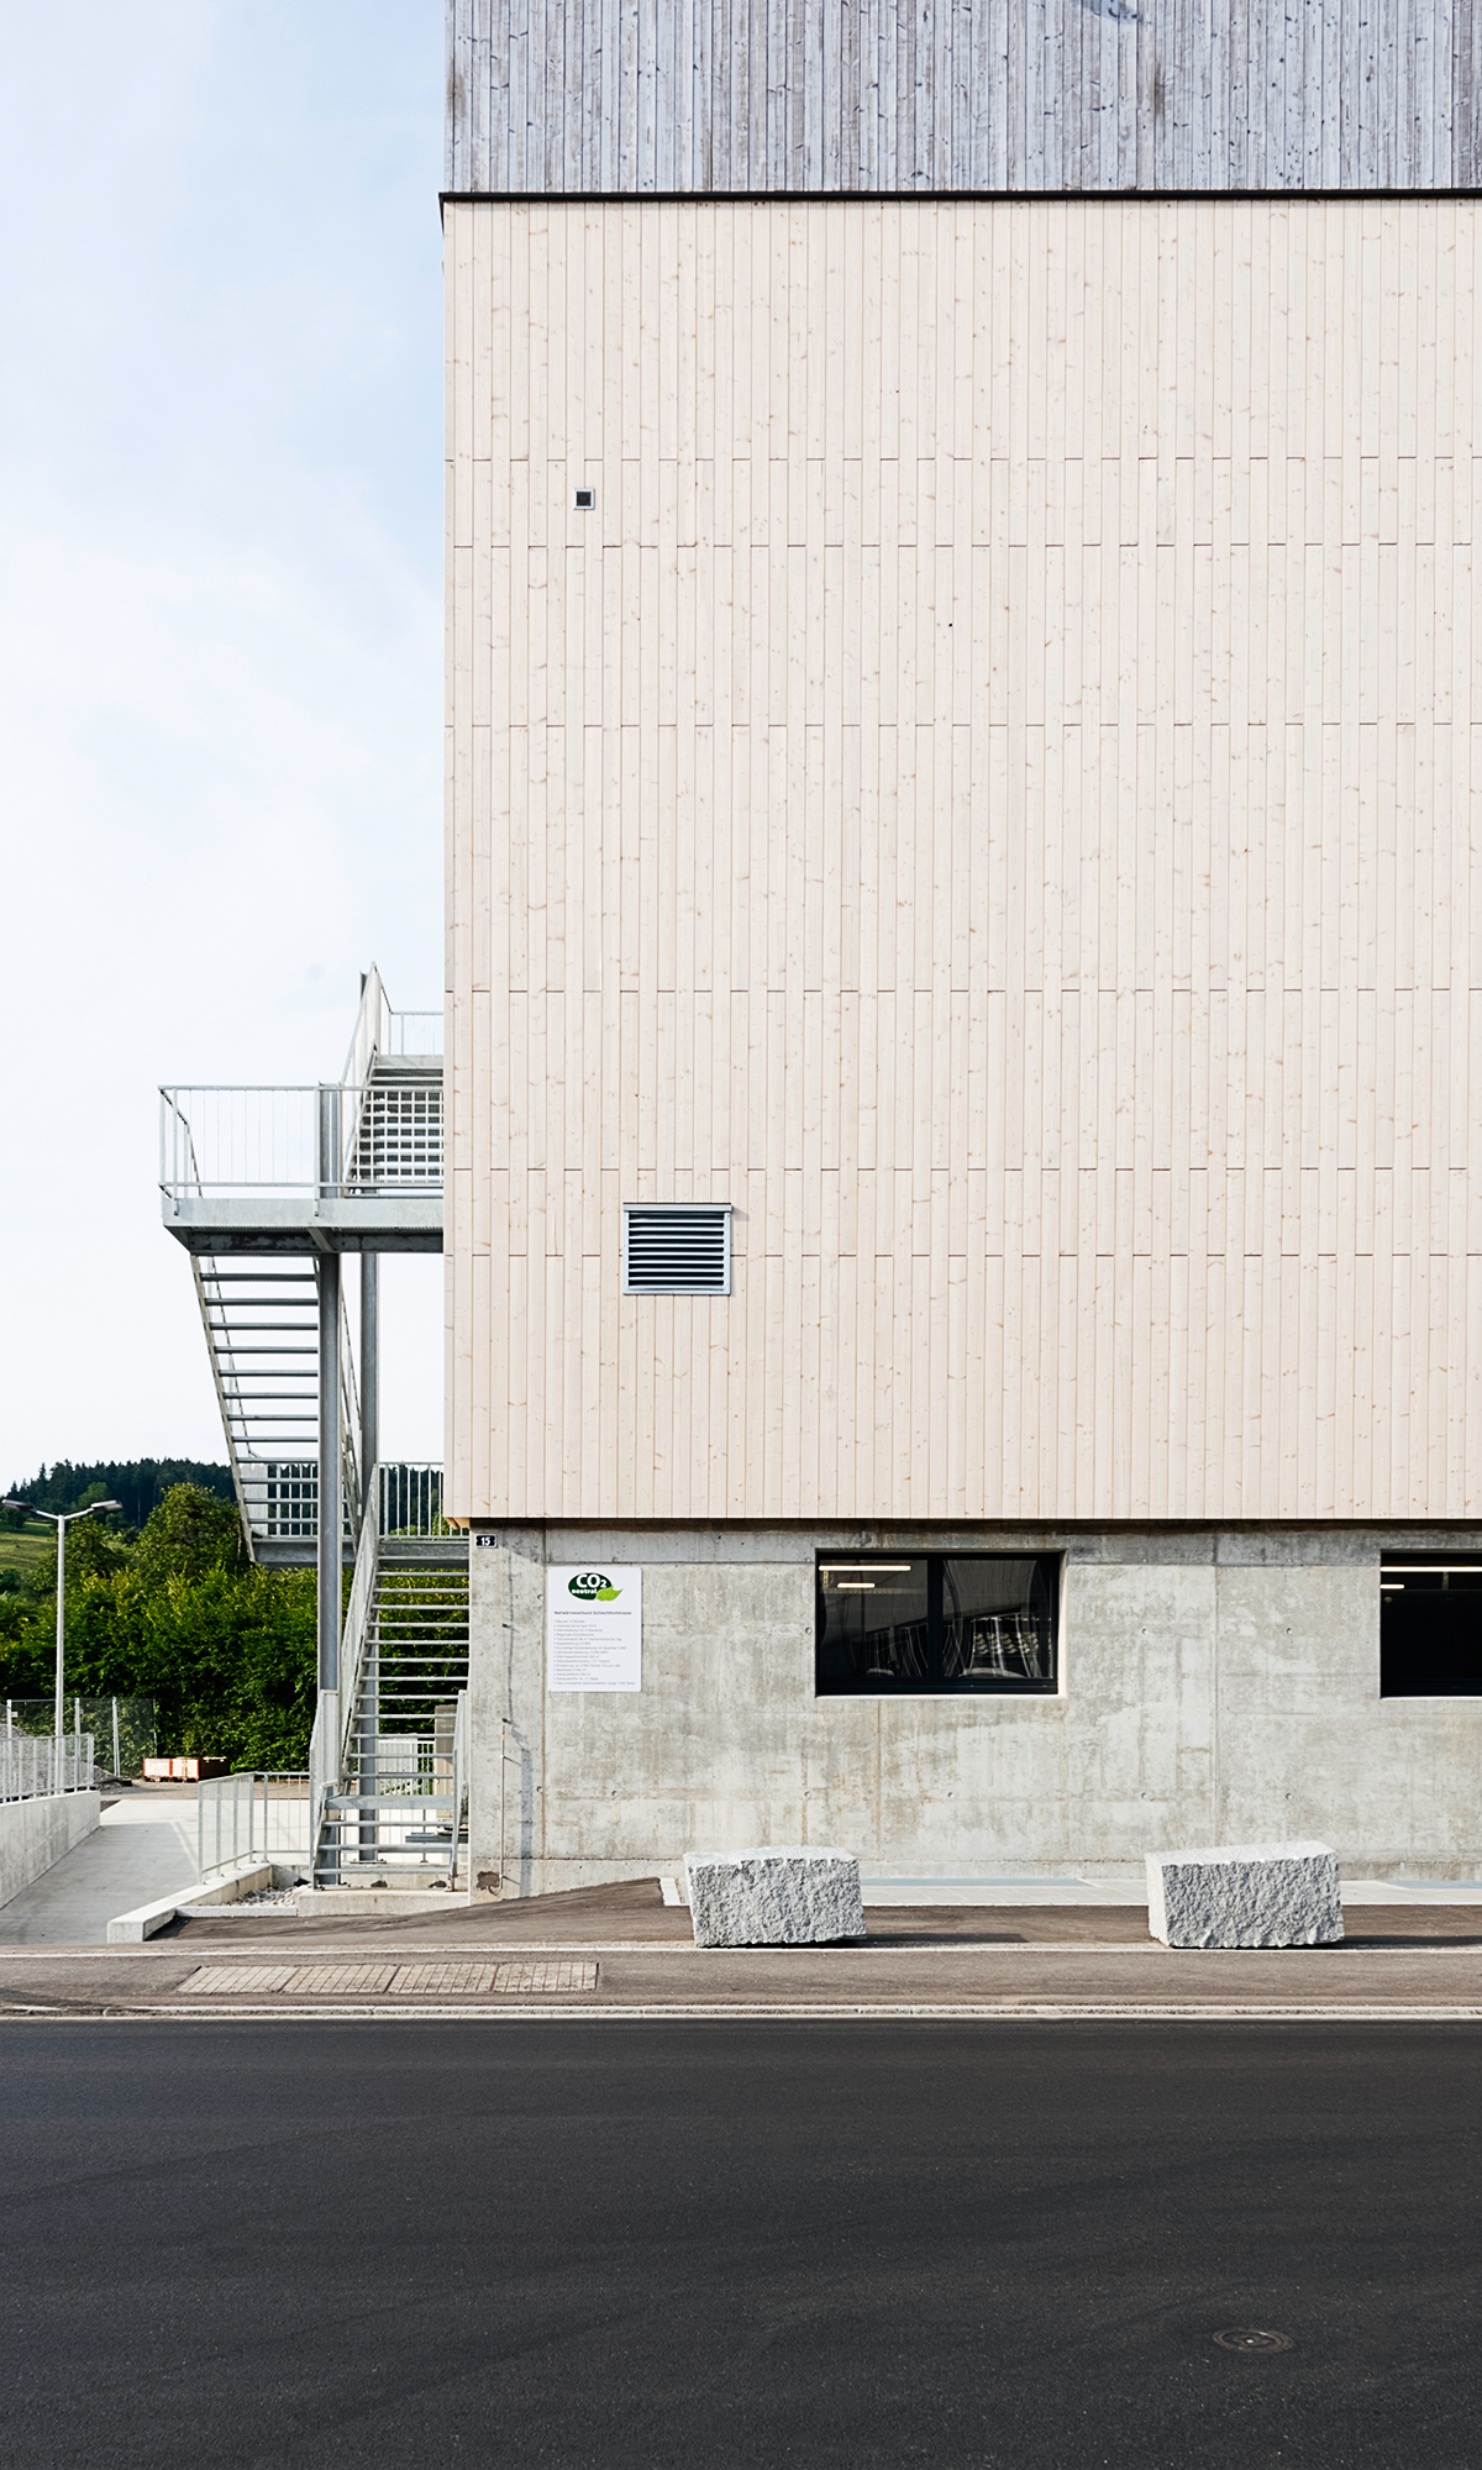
[942, 197]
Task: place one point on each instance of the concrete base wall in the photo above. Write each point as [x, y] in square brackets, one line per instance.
[35, 1834]
[1217, 1686]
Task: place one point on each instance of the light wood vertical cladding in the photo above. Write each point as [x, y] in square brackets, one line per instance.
[611, 97]
[990, 793]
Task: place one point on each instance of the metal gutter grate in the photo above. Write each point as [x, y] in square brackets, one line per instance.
[522, 1978]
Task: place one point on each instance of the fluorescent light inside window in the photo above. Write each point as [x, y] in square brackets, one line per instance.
[1436, 1569]
[855, 1586]
[838, 1569]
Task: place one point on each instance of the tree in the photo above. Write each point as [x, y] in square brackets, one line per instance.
[225, 1649]
[140, 1484]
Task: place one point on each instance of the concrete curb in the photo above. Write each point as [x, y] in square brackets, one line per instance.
[245, 1878]
[352, 2011]
[382, 1903]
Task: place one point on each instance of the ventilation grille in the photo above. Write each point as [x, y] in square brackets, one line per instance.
[677, 1250]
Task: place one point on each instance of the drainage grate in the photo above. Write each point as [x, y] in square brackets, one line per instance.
[533, 1979]
[239, 1977]
[1251, 2344]
[441, 1980]
[323, 1980]
[525, 1979]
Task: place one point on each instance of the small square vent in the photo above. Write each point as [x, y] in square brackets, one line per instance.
[677, 1248]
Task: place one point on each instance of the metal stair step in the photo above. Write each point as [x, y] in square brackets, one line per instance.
[393, 1805]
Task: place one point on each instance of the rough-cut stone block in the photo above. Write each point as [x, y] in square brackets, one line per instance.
[782, 1895]
[1245, 1895]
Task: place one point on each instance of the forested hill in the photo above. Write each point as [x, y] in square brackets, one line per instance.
[139, 1483]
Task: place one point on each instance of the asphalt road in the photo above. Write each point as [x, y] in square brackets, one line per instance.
[692, 2244]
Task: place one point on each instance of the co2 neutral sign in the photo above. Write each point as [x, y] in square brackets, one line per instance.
[594, 1629]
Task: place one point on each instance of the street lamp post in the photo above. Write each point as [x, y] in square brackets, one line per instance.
[61, 1520]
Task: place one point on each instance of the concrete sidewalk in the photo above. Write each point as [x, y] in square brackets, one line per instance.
[620, 1954]
[145, 1847]
[621, 1985]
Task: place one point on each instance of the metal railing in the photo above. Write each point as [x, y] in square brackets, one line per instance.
[264, 1816]
[323, 1771]
[332, 1140]
[380, 1031]
[460, 1783]
[386, 1133]
[412, 1502]
[415, 1033]
[33, 1764]
[124, 1731]
[357, 1628]
[282, 1496]
[243, 1140]
[334, 1717]
[372, 1030]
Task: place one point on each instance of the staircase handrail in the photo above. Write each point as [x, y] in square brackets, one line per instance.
[357, 1498]
[171, 1137]
[328, 1745]
[460, 1783]
[228, 1388]
[357, 1617]
[372, 1033]
[322, 1780]
[341, 1110]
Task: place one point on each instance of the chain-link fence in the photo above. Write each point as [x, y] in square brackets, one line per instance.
[35, 1765]
[123, 1729]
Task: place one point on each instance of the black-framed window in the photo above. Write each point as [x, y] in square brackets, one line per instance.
[1430, 1626]
[902, 1623]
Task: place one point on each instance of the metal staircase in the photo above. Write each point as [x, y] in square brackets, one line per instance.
[268, 1189]
[394, 1139]
[392, 1811]
[262, 1334]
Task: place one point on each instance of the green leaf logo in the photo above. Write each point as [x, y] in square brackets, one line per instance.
[590, 1587]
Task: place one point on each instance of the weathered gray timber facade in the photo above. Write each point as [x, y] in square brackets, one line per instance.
[634, 98]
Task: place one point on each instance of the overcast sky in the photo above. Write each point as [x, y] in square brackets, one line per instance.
[220, 486]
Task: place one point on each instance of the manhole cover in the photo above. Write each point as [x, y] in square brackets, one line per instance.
[1253, 2344]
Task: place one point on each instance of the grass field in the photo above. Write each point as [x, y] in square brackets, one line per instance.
[20, 1551]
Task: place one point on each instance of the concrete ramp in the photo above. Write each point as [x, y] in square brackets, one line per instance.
[145, 1847]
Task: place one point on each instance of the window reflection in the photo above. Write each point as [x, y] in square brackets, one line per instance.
[937, 1621]
[873, 1621]
[996, 1621]
[1430, 1626]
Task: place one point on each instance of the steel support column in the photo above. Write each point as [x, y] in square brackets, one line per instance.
[370, 1367]
[331, 1509]
[370, 1482]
